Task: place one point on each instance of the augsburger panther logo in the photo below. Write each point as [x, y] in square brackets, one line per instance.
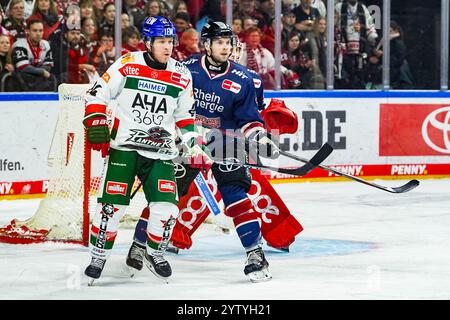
[430, 122]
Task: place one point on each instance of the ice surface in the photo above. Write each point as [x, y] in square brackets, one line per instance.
[358, 243]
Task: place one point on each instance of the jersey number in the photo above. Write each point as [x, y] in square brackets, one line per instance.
[147, 117]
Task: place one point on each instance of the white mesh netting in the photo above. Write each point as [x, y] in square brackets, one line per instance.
[60, 213]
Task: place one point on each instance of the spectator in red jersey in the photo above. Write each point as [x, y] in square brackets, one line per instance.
[109, 16]
[98, 10]
[87, 10]
[194, 9]
[267, 10]
[105, 53]
[89, 34]
[189, 44]
[248, 22]
[179, 6]
[248, 9]
[257, 58]
[3, 30]
[181, 22]
[45, 11]
[71, 57]
[15, 21]
[153, 8]
[212, 10]
[5, 55]
[131, 40]
[237, 28]
[296, 60]
[33, 60]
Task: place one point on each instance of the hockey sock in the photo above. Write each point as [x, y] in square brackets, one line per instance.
[161, 213]
[104, 229]
[140, 232]
[246, 221]
[232, 193]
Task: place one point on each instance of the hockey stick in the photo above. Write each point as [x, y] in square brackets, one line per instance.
[401, 189]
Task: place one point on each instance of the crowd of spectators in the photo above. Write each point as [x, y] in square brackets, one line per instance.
[47, 42]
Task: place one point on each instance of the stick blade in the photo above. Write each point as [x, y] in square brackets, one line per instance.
[323, 153]
[406, 187]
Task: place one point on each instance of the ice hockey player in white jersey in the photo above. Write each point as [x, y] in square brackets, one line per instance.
[154, 97]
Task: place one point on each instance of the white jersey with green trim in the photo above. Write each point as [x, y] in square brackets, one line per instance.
[151, 103]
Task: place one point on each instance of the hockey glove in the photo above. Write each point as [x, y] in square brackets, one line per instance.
[97, 132]
[266, 147]
[199, 156]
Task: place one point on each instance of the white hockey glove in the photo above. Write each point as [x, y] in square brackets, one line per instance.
[266, 147]
[199, 156]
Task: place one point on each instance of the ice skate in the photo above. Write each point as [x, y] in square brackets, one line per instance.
[135, 258]
[156, 263]
[256, 266]
[94, 270]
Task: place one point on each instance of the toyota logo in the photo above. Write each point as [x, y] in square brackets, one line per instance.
[180, 170]
[443, 126]
[229, 167]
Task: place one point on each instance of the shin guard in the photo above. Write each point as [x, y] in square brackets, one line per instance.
[161, 212]
[104, 229]
[246, 221]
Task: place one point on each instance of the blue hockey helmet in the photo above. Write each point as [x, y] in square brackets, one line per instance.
[154, 27]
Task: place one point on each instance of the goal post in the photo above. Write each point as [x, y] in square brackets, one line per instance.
[74, 177]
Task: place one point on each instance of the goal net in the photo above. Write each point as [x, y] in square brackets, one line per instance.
[75, 173]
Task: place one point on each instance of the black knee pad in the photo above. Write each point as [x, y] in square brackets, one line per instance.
[184, 175]
[232, 174]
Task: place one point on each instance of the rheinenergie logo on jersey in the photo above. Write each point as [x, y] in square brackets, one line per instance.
[151, 86]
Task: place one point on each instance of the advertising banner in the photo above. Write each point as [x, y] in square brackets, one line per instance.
[372, 136]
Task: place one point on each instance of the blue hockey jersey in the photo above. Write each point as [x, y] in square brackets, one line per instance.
[225, 101]
[259, 88]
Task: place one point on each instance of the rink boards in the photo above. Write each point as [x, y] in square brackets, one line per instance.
[374, 134]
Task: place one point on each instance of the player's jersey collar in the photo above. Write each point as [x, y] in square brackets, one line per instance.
[203, 65]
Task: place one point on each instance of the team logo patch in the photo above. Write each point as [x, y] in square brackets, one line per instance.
[154, 137]
[151, 86]
[166, 186]
[207, 122]
[127, 58]
[114, 188]
[231, 86]
[106, 77]
[178, 78]
[257, 83]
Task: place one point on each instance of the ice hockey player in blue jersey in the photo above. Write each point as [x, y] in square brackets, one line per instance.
[225, 100]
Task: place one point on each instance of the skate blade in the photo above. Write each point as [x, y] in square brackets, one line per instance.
[131, 271]
[90, 281]
[260, 276]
